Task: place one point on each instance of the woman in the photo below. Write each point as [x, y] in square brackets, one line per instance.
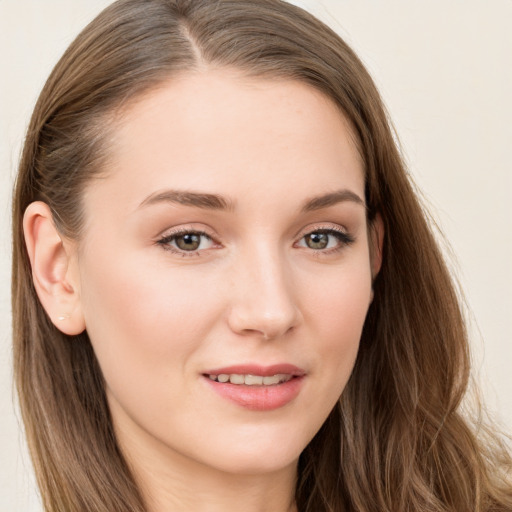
[225, 291]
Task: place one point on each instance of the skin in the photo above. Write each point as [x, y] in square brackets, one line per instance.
[256, 289]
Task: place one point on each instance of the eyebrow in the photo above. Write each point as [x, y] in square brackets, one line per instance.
[217, 202]
[331, 199]
[195, 199]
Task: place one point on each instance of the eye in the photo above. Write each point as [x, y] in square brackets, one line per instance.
[187, 242]
[325, 239]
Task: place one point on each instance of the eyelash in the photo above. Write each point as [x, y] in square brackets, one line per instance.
[343, 238]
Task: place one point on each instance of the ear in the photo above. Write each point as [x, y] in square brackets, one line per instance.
[54, 269]
[376, 237]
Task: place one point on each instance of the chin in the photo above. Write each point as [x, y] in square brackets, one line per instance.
[262, 455]
[254, 464]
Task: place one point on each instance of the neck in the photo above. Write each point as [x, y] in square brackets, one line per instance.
[176, 483]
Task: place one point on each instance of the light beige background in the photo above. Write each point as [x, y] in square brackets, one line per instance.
[444, 68]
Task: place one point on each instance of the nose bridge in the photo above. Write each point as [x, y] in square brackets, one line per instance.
[264, 302]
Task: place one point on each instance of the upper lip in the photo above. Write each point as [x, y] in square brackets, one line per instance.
[256, 369]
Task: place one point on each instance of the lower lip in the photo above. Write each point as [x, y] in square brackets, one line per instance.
[258, 398]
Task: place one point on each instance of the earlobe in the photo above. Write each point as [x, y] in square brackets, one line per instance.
[55, 284]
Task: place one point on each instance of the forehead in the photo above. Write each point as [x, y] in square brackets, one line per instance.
[219, 131]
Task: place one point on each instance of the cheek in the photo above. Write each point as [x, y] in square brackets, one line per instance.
[338, 298]
[144, 321]
[138, 296]
[336, 311]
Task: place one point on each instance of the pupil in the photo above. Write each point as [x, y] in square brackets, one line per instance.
[317, 240]
[188, 242]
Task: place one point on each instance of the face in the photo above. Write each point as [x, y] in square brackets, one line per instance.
[225, 270]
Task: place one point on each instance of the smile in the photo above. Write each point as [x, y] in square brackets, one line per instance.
[251, 380]
[256, 387]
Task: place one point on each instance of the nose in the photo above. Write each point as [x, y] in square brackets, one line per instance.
[263, 300]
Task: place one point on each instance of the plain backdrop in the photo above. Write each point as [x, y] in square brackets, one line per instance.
[444, 68]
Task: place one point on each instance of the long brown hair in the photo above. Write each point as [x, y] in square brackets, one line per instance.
[396, 441]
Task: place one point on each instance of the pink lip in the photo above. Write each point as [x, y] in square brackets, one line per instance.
[258, 398]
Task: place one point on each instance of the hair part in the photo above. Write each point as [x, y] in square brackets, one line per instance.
[397, 440]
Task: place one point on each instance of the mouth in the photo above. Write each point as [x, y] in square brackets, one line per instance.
[257, 388]
[251, 380]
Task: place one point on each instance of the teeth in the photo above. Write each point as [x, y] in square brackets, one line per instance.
[236, 379]
[251, 380]
[268, 381]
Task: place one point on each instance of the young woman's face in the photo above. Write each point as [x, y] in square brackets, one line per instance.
[227, 242]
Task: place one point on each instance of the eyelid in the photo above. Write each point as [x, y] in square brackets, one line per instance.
[184, 229]
[322, 226]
